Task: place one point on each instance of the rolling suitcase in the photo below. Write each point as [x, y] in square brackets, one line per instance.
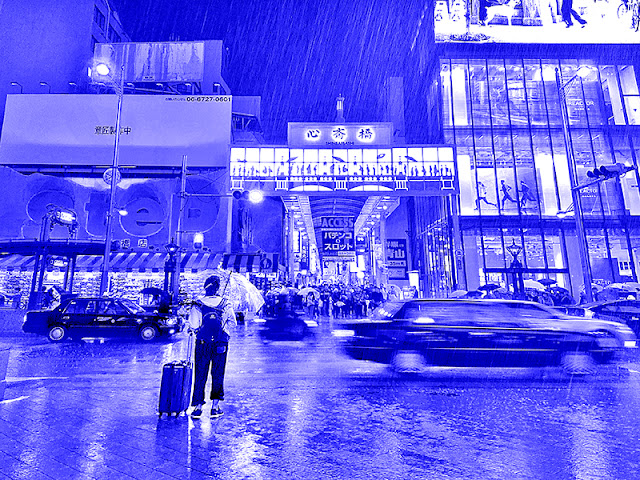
[175, 387]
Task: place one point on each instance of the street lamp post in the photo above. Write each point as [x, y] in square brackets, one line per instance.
[104, 279]
[516, 269]
[575, 191]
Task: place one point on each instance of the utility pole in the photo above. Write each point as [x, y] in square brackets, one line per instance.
[175, 279]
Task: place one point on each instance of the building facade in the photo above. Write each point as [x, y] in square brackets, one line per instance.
[501, 108]
[47, 47]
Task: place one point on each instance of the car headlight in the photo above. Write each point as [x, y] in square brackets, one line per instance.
[630, 344]
[170, 321]
[343, 333]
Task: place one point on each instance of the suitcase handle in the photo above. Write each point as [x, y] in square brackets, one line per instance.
[190, 340]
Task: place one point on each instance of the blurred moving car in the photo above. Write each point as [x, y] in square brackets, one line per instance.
[624, 311]
[284, 318]
[100, 317]
[413, 334]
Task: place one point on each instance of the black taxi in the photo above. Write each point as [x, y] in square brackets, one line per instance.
[100, 317]
[494, 333]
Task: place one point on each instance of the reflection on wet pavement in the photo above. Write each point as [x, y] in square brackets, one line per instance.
[303, 410]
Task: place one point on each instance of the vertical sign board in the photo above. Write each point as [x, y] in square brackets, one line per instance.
[397, 258]
[338, 238]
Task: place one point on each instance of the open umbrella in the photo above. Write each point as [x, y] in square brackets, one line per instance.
[474, 294]
[633, 285]
[594, 286]
[288, 291]
[163, 297]
[489, 287]
[533, 284]
[308, 290]
[547, 281]
[241, 293]
[457, 294]
[619, 286]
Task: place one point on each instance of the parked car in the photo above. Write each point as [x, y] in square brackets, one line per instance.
[496, 333]
[100, 317]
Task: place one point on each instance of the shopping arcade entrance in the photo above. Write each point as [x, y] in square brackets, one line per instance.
[361, 188]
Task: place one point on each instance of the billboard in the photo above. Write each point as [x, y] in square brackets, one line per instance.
[154, 62]
[337, 236]
[155, 130]
[397, 258]
[535, 21]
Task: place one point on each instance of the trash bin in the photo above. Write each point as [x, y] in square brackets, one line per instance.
[4, 361]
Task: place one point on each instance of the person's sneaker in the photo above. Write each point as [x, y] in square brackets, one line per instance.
[196, 412]
[216, 412]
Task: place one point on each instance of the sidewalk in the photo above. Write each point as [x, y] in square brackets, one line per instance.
[81, 411]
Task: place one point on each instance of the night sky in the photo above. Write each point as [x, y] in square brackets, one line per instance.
[298, 55]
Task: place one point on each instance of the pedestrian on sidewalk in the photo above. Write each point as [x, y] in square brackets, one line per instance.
[212, 319]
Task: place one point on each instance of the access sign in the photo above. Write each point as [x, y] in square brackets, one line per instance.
[338, 237]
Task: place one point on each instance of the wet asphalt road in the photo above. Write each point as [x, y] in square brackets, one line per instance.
[303, 410]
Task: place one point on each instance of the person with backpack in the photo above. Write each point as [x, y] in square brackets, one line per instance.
[211, 318]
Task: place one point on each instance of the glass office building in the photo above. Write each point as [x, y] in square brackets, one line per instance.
[504, 117]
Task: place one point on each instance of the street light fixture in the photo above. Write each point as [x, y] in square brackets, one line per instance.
[16, 84]
[575, 192]
[516, 267]
[105, 70]
[45, 84]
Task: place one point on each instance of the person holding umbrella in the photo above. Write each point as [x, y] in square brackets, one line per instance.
[212, 318]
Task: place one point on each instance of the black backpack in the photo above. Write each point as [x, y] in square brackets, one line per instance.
[212, 321]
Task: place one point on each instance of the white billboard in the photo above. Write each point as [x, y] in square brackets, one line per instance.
[154, 62]
[536, 21]
[155, 130]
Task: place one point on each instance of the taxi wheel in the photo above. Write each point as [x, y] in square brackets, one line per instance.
[578, 363]
[148, 333]
[57, 333]
[408, 361]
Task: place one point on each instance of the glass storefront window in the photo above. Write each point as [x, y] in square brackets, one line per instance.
[628, 80]
[535, 91]
[498, 93]
[632, 106]
[479, 93]
[516, 93]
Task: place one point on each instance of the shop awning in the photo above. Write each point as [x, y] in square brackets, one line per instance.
[256, 263]
[150, 262]
[123, 262]
[16, 262]
[199, 261]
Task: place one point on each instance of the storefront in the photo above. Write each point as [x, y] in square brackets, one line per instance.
[504, 117]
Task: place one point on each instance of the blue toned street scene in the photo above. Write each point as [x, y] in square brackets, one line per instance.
[308, 240]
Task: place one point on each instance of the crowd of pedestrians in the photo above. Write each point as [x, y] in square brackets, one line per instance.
[335, 300]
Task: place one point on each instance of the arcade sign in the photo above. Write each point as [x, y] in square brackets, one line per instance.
[340, 134]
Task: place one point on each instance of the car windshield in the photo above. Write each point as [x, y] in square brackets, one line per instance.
[132, 306]
[386, 311]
